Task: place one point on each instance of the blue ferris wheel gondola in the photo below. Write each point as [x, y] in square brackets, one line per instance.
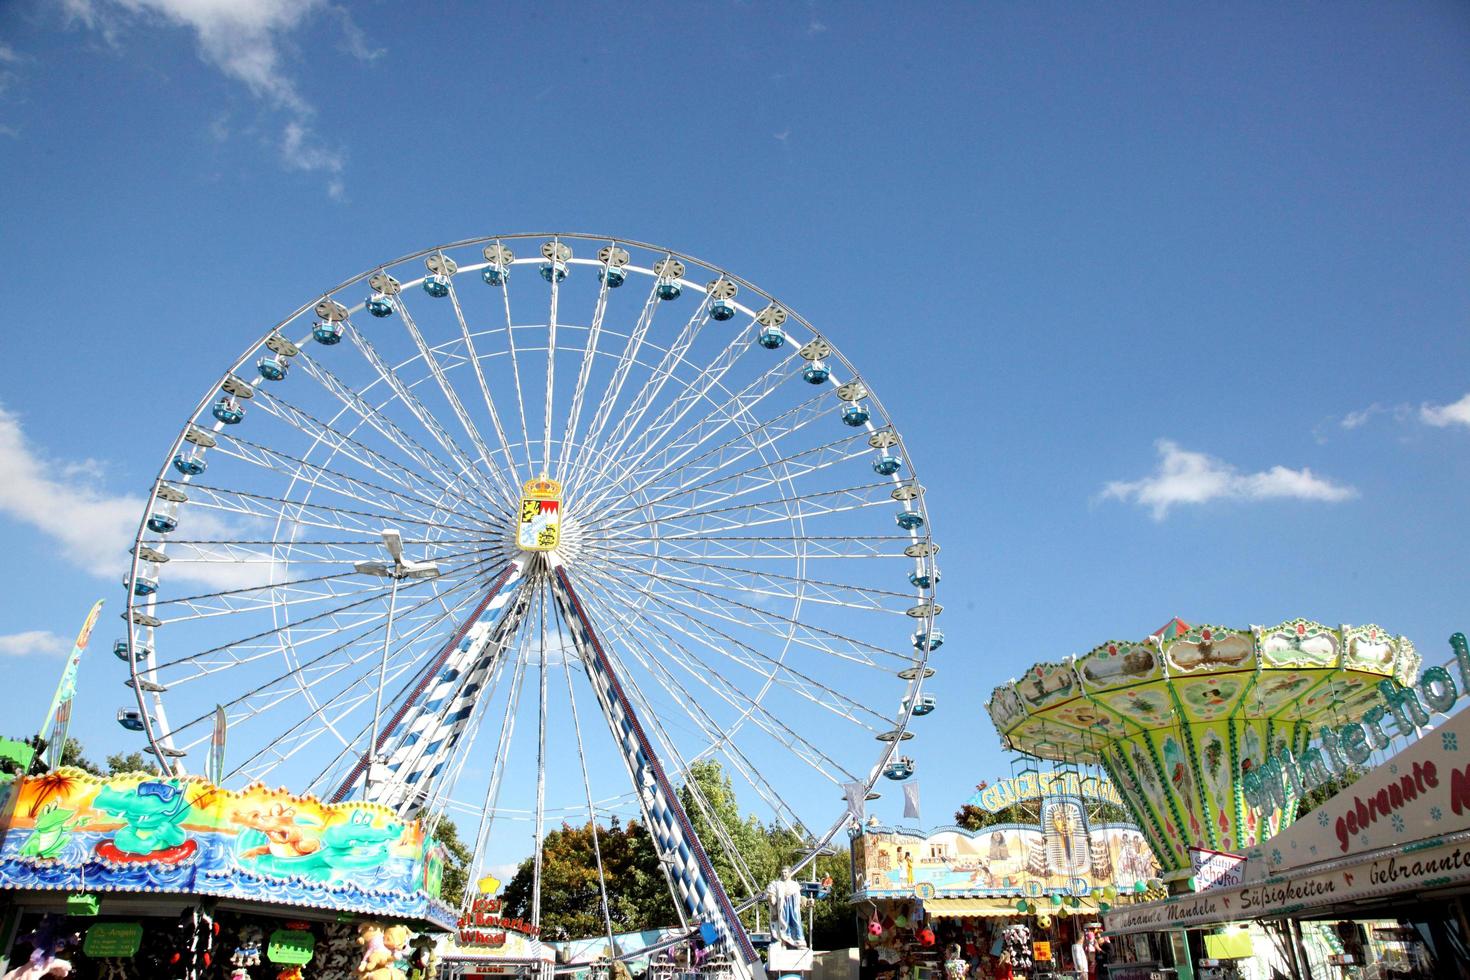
[900, 768]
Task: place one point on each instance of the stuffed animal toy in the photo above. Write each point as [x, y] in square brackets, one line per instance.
[377, 958]
[247, 953]
[421, 964]
[47, 942]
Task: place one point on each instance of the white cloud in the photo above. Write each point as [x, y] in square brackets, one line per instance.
[1439, 416]
[94, 529]
[301, 150]
[1185, 477]
[239, 37]
[32, 641]
[244, 39]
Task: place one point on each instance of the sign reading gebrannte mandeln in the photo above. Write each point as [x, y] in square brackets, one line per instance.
[1402, 828]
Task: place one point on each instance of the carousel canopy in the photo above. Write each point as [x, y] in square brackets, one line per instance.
[1178, 717]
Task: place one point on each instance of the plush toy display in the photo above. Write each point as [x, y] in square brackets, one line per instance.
[377, 961]
[47, 942]
[247, 952]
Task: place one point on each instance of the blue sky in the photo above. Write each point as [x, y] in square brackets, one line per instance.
[1170, 301]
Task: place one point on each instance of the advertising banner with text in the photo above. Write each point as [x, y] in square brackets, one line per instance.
[1401, 829]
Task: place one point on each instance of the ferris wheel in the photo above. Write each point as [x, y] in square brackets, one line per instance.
[590, 492]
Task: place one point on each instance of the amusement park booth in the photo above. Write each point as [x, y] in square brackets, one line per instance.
[1022, 893]
[1373, 882]
[141, 876]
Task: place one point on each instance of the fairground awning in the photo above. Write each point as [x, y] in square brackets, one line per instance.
[995, 908]
[1399, 833]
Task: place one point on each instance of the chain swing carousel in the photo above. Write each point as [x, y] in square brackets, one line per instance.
[1184, 719]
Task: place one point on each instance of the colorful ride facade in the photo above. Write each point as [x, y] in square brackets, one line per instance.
[68, 830]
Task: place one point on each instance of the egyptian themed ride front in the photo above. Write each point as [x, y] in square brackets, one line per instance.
[733, 501]
[1045, 873]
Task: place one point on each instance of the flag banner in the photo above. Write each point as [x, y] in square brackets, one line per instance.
[54, 725]
[857, 798]
[911, 801]
[217, 747]
[59, 725]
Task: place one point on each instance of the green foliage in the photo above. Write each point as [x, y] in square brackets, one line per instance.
[131, 762]
[571, 895]
[638, 891]
[1111, 813]
[73, 754]
[758, 853]
[457, 860]
[972, 817]
[1325, 791]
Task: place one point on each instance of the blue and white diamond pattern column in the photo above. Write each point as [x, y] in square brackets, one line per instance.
[689, 866]
[421, 737]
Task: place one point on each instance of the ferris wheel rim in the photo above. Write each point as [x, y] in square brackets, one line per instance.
[918, 503]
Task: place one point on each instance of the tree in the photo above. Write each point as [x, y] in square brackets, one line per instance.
[1327, 789]
[118, 763]
[73, 754]
[457, 860]
[972, 817]
[709, 800]
[571, 893]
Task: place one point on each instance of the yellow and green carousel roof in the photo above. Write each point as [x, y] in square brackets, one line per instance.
[1176, 717]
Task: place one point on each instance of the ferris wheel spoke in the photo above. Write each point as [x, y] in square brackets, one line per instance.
[749, 581]
[654, 383]
[515, 370]
[315, 671]
[502, 747]
[308, 728]
[681, 498]
[587, 788]
[411, 482]
[702, 603]
[614, 388]
[328, 618]
[321, 477]
[651, 718]
[747, 547]
[284, 594]
[763, 718]
[303, 552]
[465, 466]
[584, 372]
[448, 475]
[675, 466]
[479, 371]
[681, 618]
[550, 375]
[718, 737]
[431, 361]
[695, 392]
[268, 507]
[428, 737]
[737, 517]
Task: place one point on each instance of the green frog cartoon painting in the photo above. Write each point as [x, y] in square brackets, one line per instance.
[52, 832]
